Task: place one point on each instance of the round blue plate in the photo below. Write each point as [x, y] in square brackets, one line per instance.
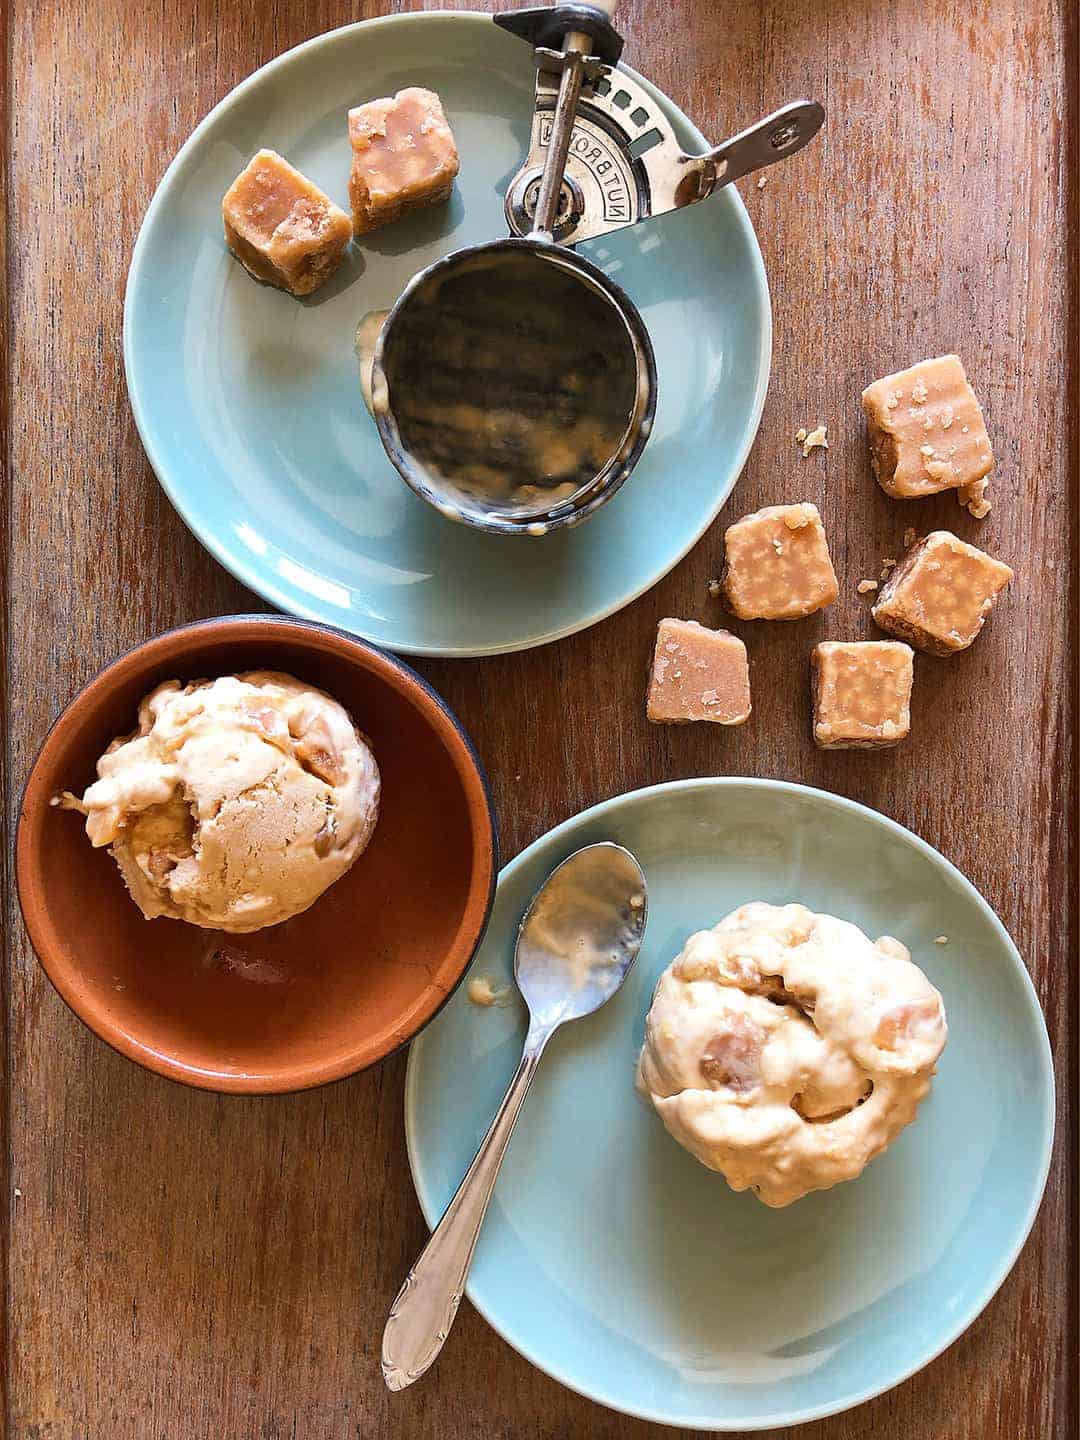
[248, 401]
[615, 1262]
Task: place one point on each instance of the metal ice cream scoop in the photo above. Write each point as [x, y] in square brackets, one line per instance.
[514, 384]
[575, 946]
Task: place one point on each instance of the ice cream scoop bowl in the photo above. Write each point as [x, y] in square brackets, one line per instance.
[493, 407]
[575, 946]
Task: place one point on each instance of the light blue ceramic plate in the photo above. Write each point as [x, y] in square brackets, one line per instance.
[248, 401]
[615, 1262]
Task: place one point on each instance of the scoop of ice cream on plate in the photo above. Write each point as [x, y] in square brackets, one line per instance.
[236, 802]
[786, 1049]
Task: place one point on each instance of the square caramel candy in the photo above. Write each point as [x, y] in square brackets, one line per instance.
[862, 693]
[281, 227]
[927, 431]
[776, 564]
[698, 674]
[940, 594]
[404, 157]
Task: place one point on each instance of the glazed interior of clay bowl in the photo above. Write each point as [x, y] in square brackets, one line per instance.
[326, 993]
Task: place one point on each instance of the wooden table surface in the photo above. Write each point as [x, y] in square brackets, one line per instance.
[180, 1265]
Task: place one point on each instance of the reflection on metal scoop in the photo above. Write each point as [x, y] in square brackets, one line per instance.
[514, 386]
[576, 944]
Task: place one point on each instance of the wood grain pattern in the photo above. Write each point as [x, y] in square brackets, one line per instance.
[181, 1266]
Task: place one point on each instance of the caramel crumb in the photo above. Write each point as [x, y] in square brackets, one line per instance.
[483, 991]
[714, 588]
[909, 536]
[763, 180]
[887, 564]
[800, 435]
[816, 438]
[973, 498]
[865, 586]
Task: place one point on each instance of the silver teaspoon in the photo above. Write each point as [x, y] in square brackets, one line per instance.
[575, 946]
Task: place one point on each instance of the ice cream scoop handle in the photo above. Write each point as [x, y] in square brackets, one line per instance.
[421, 1316]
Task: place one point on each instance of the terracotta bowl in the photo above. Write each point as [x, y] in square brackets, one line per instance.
[316, 998]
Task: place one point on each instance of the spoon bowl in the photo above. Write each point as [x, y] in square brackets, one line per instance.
[581, 934]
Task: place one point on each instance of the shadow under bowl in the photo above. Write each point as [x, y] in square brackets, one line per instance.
[324, 994]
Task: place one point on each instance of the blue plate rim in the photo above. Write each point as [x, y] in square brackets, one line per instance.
[998, 1275]
[233, 561]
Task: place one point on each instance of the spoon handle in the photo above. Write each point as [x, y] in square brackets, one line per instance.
[421, 1316]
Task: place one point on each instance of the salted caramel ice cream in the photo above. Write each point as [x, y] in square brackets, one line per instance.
[236, 802]
[786, 1049]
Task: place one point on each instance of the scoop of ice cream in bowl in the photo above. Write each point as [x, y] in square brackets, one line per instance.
[236, 802]
[282, 861]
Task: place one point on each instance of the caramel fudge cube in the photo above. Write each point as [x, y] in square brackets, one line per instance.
[776, 564]
[404, 157]
[926, 430]
[698, 674]
[940, 594]
[281, 227]
[862, 693]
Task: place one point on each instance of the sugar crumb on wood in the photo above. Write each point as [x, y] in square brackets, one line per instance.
[815, 439]
[974, 500]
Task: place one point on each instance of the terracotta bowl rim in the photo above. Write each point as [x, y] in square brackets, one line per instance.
[478, 903]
